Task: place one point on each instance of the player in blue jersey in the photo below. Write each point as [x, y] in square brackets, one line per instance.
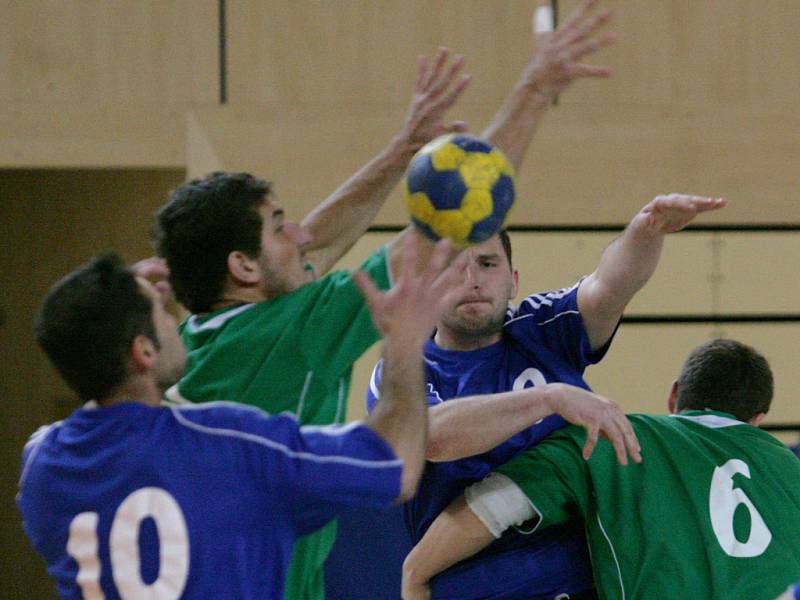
[491, 372]
[129, 499]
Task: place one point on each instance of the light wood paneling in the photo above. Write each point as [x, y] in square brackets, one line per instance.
[103, 83]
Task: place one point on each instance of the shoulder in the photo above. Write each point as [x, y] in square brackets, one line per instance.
[32, 447]
[235, 422]
[542, 307]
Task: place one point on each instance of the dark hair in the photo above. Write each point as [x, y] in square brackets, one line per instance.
[506, 241]
[88, 321]
[728, 376]
[201, 224]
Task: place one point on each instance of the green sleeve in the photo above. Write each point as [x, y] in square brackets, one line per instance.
[553, 476]
[339, 327]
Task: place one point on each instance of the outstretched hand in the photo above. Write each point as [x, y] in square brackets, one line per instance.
[673, 212]
[599, 416]
[409, 311]
[556, 59]
[437, 88]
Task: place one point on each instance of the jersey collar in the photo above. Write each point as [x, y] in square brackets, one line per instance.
[710, 418]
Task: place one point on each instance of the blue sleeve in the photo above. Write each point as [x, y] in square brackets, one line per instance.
[313, 471]
[553, 320]
[373, 393]
[796, 591]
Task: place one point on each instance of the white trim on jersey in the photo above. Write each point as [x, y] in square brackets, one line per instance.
[337, 418]
[332, 430]
[173, 397]
[373, 384]
[217, 321]
[712, 421]
[499, 503]
[303, 393]
[282, 448]
[614, 554]
[537, 300]
[559, 315]
[35, 442]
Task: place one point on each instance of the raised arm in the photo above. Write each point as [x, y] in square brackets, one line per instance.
[472, 425]
[630, 260]
[554, 64]
[339, 221]
[406, 316]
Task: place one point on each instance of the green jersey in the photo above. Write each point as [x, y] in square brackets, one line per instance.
[293, 353]
[713, 511]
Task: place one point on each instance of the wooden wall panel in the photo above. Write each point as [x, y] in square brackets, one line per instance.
[701, 100]
[103, 83]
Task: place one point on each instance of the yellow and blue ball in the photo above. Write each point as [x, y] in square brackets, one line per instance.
[459, 187]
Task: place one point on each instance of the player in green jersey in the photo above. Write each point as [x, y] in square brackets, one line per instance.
[713, 511]
[269, 326]
[248, 275]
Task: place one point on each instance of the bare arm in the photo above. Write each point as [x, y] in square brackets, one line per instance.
[553, 66]
[339, 221]
[631, 259]
[406, 316]
[454, 535]
[472, 425]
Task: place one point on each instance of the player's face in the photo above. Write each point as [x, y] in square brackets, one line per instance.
[282, 260]
[171, 353]
[477, 306]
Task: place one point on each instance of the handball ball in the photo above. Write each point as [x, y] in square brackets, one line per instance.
[459, 187]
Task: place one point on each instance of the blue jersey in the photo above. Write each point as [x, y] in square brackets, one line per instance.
[200, 501]
[543, 341]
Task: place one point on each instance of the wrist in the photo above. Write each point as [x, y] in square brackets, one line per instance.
[547, 397]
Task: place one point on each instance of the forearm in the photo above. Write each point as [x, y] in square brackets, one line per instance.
[625, 267]
[338, 222]
[472, 425]
[400, 417]
[513, 126]
[454, 535]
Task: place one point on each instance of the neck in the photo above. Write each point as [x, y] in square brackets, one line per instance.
[143, 390]
[240, 296]
[448, 339]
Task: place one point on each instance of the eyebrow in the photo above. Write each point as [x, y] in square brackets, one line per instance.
[277, 214]
[493, 256]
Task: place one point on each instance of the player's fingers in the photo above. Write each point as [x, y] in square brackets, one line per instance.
[632, 442]
[448, 99]
[440, 84]
[436, 70]
[439, 261]
[455, 127]
[367, 288]
[581, 49]
[591, 441]
[617, 438]
[583, 70]
[577, 16]
[422, 73]
[706, 204]
[584, 29]
[408, 263]
[452, 275]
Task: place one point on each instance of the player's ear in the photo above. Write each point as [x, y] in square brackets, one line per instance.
[672, 403]
[143, 354]
[514, 283]
[243, 269]
[756, 420]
